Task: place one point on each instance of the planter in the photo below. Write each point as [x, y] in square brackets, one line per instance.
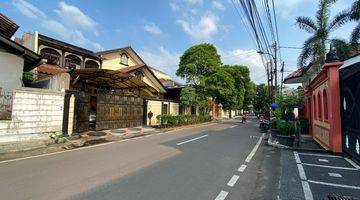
[282, 139]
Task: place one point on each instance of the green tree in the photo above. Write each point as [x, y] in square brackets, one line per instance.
[250, 93]
[192, 96]
[197, 61]
[261, 102]
[354, 15]
[314, 48]
[221, 86]
[241, 78]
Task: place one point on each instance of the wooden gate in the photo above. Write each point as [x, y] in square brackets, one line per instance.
[83, 111]
[118, 111]
[350, 109]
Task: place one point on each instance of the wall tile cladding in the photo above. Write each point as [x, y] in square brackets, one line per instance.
[35, 112]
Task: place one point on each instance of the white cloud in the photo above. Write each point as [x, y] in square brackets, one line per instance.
[28, 9]
[174, 6]
[193, 2]
[217, 5]
[73, 20]
[73, 17]
[203, 29]
[248, 58]
[152, 28]
[162, 59]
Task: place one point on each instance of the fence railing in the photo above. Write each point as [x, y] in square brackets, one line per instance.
[6, 102]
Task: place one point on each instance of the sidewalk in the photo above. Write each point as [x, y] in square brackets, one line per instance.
[319, 176]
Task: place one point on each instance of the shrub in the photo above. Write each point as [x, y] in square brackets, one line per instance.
[178, 120]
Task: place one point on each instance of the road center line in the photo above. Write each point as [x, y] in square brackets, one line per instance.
[242, 168]
[233, 126]
[253, 151]
[197, 138]
[233, 180]
[222, 195]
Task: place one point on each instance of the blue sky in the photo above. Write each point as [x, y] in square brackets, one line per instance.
[161, 30]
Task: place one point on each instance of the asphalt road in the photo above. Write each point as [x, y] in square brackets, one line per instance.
[219, 161]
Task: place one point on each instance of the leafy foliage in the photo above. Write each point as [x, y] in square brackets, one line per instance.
[178, 120]
[262, 100]
[192, 95]
[28, 78]
[197, 61]
[314, 48]
[250, 92]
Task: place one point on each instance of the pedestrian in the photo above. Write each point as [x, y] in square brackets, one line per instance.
[244, 117]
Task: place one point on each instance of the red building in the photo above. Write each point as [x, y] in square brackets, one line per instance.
[322, 104]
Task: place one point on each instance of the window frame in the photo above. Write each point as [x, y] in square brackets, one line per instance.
[121, 59]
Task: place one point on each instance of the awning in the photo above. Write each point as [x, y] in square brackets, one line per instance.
[110, 79]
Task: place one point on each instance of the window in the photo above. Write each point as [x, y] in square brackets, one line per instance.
[319, 106]
[124, 59]
[326, 112]
[91, 64]
[72, 62]
[139, 75]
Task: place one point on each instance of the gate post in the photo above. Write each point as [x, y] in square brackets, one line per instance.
[69, 116]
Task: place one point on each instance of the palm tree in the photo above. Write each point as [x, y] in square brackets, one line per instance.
[354, 15]
[314, 48]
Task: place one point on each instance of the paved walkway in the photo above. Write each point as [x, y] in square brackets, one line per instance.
[319, 176]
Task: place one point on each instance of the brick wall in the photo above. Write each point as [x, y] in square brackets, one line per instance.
[35, 113]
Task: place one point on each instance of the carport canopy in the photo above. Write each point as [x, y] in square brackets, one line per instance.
[104, 78]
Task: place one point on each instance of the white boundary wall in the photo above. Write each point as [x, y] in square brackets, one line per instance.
[35, 112]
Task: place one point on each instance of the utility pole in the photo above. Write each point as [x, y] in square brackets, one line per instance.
[282, 76]
[275, 70]
[268, 72]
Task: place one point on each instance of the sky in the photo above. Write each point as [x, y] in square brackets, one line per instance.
[161, 30]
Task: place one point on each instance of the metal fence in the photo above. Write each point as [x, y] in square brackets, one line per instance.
[6, 101]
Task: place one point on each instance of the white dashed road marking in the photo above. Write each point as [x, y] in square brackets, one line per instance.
[233, 126]
[233, 180]
[297, 158]
[197, 138]
[336, 175]
[222, 195]
[242, 168]
[323, 160]
[322, 155]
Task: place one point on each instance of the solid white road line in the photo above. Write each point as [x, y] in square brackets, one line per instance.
[233, 126]
[233, 180]
[242, 168]
[335, 185]
[253, 151]
[307, 191]
[301, 172]
[352, 163]
[297, 157]
[222, 195]
[323, 155]
[197, 138]
[327, 166]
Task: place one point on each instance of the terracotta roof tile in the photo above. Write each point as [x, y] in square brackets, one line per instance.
[131, 68]
[51, 69]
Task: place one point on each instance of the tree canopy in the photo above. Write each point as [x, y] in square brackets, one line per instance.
[197, 61]
[262, 100]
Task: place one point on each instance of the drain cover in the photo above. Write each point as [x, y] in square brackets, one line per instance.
[339, 197]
